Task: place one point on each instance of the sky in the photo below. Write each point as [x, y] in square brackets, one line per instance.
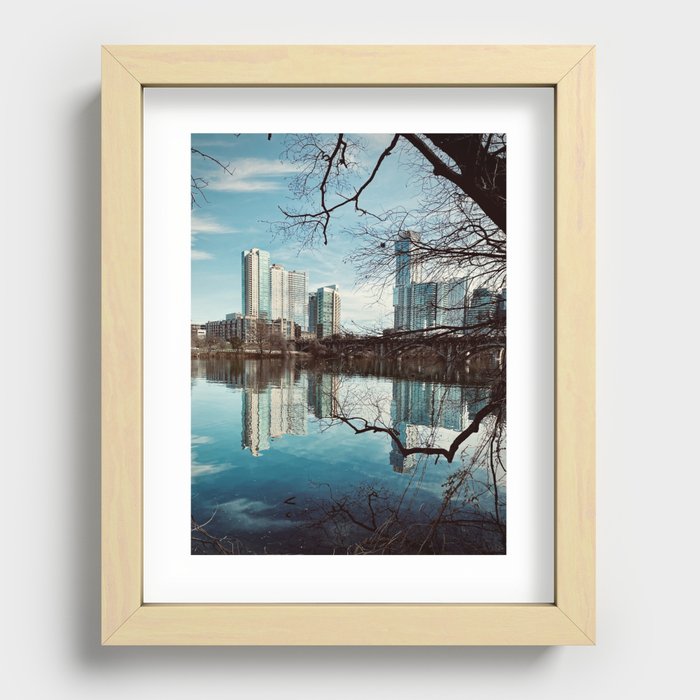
[238, 208]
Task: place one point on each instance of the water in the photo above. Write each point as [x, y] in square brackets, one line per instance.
[277, 467]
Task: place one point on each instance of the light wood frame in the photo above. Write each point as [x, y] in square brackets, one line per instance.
[126, 70]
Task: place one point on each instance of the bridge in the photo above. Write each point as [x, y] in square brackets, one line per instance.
[488, 351]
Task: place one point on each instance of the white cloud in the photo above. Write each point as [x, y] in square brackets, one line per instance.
[240, 185]
[209, 225]
[199, 469]
[362, 308]
[201, 439]
[249, 514]
[261, 167]
[201, 255]
[252, 175]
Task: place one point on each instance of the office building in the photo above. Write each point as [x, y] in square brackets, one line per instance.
[279, 294]
[418, 304]
[501, 306]
[408, 267]
[297, 298]
[327, 311]
[451, 302]
[283, 328]
[481, 311]
[313, 313]
[255, 283]
[422, 305]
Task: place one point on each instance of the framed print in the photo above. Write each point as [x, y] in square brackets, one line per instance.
[308, 432]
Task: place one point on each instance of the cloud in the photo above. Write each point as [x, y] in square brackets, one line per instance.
[252, 516]
[201, 439]
[240, 185]
[201, 255]
[209, 225]
[263, 167]
[361, 307]
[199, 469]
[252, 175]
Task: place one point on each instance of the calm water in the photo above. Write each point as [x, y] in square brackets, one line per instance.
[275, 470]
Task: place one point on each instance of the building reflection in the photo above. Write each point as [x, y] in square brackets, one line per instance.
[278, 398]
[322, 394]
[410, 437]
[417, 405]
[273, 404]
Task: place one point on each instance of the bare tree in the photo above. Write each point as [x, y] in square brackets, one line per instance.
[199, 184]
[474, 164]
[460, 214]
[260, 336]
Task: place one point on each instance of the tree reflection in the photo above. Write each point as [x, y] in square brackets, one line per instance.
[424, 421]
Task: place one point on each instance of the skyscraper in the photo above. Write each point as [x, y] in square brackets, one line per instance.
[313, 312]
[501, 305]
[255, 283]
[279, 294]
[328, 311]
[408, 267]
[419, 305]
[451, 302]
[482, 309]
[297, 298]
[414, 301]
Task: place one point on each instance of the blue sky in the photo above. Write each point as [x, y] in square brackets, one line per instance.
[239, 206]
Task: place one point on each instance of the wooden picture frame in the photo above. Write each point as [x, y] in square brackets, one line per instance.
[126, 620]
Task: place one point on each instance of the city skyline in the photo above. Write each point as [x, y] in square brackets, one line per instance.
[269, 291]
[236, 216]
[280, 297]
[352, 296]
[237, 208]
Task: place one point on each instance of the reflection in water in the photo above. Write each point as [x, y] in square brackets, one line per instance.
[304, 482]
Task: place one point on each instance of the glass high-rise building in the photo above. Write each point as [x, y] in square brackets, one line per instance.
[482, 309]
[419, 305]
[414, 300]
[288, 295]
[255, 283]
[408, 267]
[451, 302]
[279, 294]
[422, 304]
[297, 294]
[313, 312]
[327, 311]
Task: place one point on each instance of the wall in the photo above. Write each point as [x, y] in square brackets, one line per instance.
[648, 153]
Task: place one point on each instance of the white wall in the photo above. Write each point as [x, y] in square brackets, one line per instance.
[648, 251]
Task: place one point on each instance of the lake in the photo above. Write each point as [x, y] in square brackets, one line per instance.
[303, 456]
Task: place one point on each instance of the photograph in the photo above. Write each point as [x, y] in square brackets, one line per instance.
[348, 344]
